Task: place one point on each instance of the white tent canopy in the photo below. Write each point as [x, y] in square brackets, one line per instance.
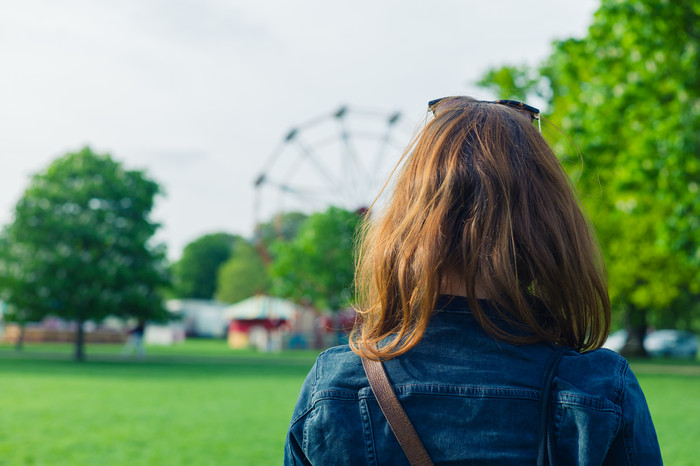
[260, 307]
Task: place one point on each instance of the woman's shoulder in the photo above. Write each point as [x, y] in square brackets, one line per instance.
[601, 358]
[336, 374]
[597, 375]
[338, 354]
[339, 368]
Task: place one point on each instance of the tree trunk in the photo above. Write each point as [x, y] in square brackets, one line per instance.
[19, 344]
[80, 341]
[636, 326]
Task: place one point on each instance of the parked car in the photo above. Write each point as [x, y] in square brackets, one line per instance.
[675, 343]
[671, 343]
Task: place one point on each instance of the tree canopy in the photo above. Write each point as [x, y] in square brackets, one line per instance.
[512, 82]
[79, 246]
[195, 274]
[316, 267]
[628, 95]
[242, 276]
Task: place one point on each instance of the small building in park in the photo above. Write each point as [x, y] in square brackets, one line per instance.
[259, 321]
[164, 334]
[200, 317]
[272, 324]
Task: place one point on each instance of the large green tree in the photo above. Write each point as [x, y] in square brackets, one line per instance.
[79, 246]
[628, 95]
[316, 267]
[194, 275]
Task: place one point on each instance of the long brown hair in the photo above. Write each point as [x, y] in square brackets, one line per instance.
[481, 196]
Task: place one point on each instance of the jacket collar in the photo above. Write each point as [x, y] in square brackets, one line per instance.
[451, 303]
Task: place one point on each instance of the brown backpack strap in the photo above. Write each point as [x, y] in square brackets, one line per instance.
[394, 413]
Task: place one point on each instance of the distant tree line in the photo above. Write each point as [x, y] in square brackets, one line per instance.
[308, 259]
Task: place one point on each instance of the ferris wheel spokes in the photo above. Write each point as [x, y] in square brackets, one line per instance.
[342, 158]
[357, 173]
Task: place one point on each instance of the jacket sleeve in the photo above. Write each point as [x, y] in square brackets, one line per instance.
[636, 442]
[294, 444]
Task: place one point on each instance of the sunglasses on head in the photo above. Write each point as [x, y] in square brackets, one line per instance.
[529, 111]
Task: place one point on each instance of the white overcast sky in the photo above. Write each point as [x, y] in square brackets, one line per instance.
[200, 92]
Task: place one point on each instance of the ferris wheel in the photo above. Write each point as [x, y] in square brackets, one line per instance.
[342, 159]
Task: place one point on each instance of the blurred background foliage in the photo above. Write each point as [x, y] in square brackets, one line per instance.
[317, 267]
[242, 276]
[307, 259]
[194, 275]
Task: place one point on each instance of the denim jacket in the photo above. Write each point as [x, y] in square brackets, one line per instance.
[473, 399]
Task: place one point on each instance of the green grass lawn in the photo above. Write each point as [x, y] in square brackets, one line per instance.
[198, 403]
[201, 403]
[672, 389]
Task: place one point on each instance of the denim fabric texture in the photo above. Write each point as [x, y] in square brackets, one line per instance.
[473, 400]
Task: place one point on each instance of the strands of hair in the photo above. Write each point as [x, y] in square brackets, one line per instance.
[481, 201]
